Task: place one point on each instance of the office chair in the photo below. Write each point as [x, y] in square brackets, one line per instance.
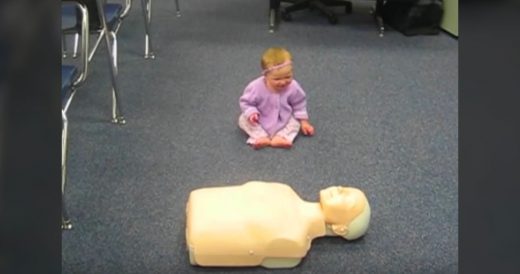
[320, 5]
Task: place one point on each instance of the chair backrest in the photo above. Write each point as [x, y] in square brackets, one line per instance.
[92, 7]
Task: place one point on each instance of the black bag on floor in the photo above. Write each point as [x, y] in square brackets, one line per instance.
[413, 17]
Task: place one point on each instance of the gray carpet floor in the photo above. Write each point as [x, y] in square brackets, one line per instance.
[384, 109]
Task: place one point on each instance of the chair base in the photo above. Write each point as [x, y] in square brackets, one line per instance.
[274, 10]
[320, 5]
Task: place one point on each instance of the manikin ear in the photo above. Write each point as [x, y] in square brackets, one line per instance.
[340, 230]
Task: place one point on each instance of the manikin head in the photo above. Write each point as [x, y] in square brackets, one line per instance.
[346, 211]
[277, 68]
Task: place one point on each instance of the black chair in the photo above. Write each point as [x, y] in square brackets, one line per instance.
[320, 5]
[274, 10]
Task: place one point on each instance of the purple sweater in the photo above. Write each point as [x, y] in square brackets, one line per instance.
[275, 109]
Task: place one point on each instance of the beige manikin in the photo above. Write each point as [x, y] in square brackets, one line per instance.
[268, 224]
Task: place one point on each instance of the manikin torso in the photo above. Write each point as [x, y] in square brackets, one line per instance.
[252, 224]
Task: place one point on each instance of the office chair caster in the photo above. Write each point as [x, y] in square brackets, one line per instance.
[285, 15]
[348, 8]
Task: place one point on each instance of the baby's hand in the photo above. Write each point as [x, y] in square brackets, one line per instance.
[253, 118]
[307, 128]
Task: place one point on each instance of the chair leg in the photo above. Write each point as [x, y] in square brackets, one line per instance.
[300, 5]
[272, 20]
[117, 117]
[76, 42]
[296, 6]
[66, 223]
[325, 11]
[117, 113]
[274, 8]
[113, 36]
[376, 12]
[63, 46]
[177, 8]
[147, 14]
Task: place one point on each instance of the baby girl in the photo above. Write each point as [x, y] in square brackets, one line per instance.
[274, 105]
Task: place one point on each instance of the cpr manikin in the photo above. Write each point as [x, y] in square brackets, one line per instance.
[268, 224]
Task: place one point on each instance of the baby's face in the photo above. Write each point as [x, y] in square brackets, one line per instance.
[277, 80]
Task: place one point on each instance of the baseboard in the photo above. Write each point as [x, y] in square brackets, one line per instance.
[456, 37]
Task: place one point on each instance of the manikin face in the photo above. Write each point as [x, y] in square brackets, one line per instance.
[336, 202]
[278, 79]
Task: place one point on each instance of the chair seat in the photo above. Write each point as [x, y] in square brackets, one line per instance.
[68, 75]
[112, 13]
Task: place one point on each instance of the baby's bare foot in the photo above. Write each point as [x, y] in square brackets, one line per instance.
[261, 143]
[281, 142]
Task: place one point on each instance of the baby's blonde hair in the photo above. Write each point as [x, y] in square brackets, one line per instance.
[274, 56]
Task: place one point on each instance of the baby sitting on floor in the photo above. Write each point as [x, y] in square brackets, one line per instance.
[274, 104]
